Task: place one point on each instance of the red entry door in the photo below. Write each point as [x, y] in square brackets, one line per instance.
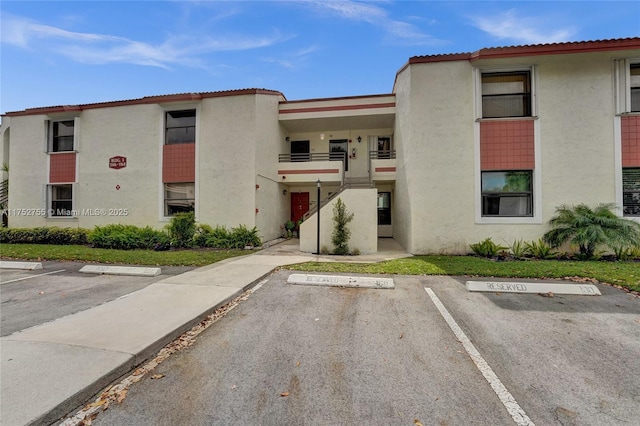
[299, 205]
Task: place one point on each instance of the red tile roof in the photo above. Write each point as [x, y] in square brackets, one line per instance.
[178, 97]
[534, 49]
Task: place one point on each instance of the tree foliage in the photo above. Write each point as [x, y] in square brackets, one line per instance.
[589, 229]
[341, 234]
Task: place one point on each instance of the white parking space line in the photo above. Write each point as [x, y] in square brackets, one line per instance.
[517, 413]
[32, 276]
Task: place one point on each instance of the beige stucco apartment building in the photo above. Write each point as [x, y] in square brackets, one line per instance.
[467, 146]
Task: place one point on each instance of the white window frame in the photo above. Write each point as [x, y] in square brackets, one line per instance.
[477, 77]
[537, 181]
[161, 143]
[49, 201]
[49, 134]
[164, 196]
[622, 73]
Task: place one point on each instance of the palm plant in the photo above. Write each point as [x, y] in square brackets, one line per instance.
[589, 229]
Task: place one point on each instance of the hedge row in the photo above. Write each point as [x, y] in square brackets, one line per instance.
[44, 235]
[128, 237]
[181, 232]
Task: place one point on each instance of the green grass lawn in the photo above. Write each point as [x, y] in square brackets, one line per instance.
[625, 274]
[129, 257]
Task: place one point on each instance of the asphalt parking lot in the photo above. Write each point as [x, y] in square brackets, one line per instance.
[294, 354]
[30, 298]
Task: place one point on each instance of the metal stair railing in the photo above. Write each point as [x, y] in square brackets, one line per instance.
[349, 183]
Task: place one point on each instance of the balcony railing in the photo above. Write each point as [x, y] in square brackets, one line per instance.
[382, 155]
[316, 156]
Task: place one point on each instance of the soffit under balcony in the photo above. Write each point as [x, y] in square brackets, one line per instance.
[362, 112]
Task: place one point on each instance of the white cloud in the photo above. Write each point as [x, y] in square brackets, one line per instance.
[375, 15]
[102, 48]
[348, 9]
[509, 26]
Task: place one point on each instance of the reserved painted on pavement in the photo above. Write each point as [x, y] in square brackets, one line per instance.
[341, 281]
[556, 288]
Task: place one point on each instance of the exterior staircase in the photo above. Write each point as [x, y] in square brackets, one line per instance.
[349, 183]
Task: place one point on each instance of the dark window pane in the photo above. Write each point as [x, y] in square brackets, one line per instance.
[62, 137]
[506, 94]
[181, 135]
[181, 118]
[631, 191]
[635, 99]
[180, 127]
[384, 208]
[61, 200]
[512, 181]
[338, 151]
[179, 197]
[507, 193]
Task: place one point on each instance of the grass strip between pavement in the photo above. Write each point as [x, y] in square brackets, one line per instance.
[624, 274]
[81, 253]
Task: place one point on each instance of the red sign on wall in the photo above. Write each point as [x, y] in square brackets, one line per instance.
[117, 162]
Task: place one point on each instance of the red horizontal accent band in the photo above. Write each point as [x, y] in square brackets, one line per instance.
[385, 169]
[339, 108]
[305, 172]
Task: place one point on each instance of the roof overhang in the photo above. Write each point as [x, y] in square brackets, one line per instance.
[361, 112]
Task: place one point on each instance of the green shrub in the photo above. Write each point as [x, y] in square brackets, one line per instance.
[128, 237]
[44, 235]
[519, 249]
[182, 229]
[242, 237]
[487, 248]
[591, 228]
[341, 234]
[200, 236]
[221, 237]
[626, 253]
[540, 250]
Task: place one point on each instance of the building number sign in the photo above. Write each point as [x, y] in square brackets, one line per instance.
[117, 162]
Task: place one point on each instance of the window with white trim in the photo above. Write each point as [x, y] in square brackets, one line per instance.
[506, 94]
[60, 200]
[180, 127]
[507, 193]
[634, 87]
[179, 198]
[61, 136]
[631, 191]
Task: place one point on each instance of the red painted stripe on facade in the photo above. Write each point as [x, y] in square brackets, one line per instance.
[507, 145]
[62, 167]
[338, 108]
[305, 172]
[384, 169]
[179, 163]
[630, 141]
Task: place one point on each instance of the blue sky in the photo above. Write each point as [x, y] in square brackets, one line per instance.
[74, 52]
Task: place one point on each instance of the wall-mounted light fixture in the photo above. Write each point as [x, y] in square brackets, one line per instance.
[287, 139]
[359, 139]
[284, 192]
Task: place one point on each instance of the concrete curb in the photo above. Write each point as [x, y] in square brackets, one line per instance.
[137, 271]
[29, 266]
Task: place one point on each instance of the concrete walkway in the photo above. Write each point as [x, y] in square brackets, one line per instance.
[49, 370]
